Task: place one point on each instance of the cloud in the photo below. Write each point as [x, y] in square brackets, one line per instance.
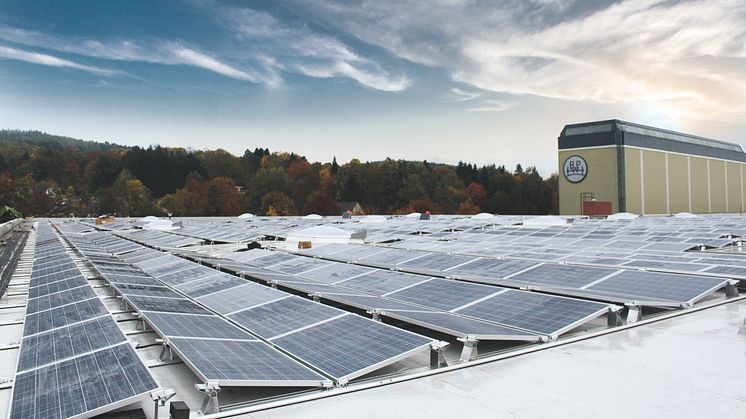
[464, 95]
[50, 60]
[657, 51]
[262, 49]
[158, 51]
[491, 105]
[298, 49]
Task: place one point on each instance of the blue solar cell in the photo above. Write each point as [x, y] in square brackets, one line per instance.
[227, 360]
[195, 325]
[540, 313]
[350, 345]
[282, 316]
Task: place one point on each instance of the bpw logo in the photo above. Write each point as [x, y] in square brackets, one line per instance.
[575, 169]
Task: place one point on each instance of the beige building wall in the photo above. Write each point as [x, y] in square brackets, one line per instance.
[735, 203]
[633, 179]
[672, 182]
[700, 185]
[678, 183]
[601, 179]
[655, 189]
[717, 185]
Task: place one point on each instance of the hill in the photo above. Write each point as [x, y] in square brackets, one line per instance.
[42, 139]
[44, 174]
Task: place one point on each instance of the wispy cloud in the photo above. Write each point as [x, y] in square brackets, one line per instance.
[298, 49]
[462, 95]
[263, 48]
[491, 105]
[50, 60]
[659, 51]
[158, 51]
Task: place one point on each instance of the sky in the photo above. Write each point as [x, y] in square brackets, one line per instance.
[486, 82]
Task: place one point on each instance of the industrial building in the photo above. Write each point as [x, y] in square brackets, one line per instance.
[615, 166]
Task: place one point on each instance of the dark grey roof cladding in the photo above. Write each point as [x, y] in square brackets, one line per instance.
[616, 132]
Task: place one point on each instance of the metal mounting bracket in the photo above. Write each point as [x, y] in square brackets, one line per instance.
[634, 313]
[160, 397]
[210, 391]
[437, 354]
[469, 351]
[375, 315]
[166, 349]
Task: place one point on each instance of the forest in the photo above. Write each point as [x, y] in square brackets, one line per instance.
[48, 175]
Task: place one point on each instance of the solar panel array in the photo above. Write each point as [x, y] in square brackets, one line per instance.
[273, 316]
[161, 239]
[502, 278]
[434, 303]
[641, 287]
[73, 359]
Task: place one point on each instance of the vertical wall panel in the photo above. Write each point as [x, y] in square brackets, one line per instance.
[699, 185]
[678, 183]
[734, 186]
[717, 185]
[632, 183]
[654, 169]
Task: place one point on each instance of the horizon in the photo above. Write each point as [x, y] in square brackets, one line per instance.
[445, 83]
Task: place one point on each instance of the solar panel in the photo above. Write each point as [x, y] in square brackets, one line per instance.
[567, 276]
[460, 326]
[444, 294]
[192, 273]
[391, 257]
[657, 286]
[241, 297]
[80, 385]
[311, 287]
[66, 264]
[335, 272]
[300, 264]
[381, 282]
[493, 268]
[173, 266]
[73, 282]
[670, 266]
[739, 271]
[170, 305]
[357, 252]
[546, 314]
[61, 298]
[368, 302]
[194, 325]
[62, 316]
[54, 277]
[435, 262]
[243, 362]
[351, 346]
[131, 279]
[271, 259]
[219, 281]
[58, 344]
[146, 290]
[282, 316]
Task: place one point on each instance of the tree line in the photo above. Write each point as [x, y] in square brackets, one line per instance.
[45, 175]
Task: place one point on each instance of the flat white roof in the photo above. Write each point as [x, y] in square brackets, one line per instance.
[687, 366]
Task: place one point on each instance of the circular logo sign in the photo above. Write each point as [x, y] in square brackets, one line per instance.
[575, 169]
